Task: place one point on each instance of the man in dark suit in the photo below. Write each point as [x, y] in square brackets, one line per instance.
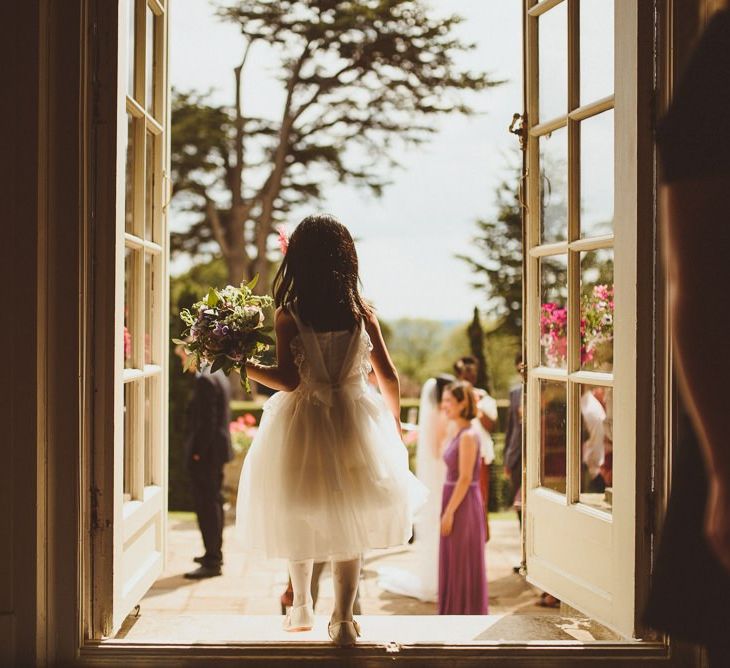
[207, 449]
[513, 439]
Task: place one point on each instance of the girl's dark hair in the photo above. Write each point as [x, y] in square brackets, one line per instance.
[320, 273]
[462, 390]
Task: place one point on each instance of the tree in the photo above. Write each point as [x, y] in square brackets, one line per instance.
[359, 78]
[475, 334]
[499, 265]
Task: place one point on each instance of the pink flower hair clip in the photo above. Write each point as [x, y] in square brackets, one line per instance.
[283, 239]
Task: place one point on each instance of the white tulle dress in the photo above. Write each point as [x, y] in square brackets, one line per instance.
[327, 475]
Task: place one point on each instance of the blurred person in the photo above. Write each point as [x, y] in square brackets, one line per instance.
[462, 567]
[691, 579]
[513, 443]
[422, 582]
[207, 449]
[467, 369]
[593, 448]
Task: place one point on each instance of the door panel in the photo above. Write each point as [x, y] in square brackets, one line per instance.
[580, 318]
[140, 443]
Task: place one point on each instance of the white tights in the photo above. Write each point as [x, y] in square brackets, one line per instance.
[345, 575]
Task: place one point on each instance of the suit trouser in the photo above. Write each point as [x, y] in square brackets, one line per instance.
[207, 484]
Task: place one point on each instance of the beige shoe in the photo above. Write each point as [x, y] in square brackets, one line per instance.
[299, 618]
[344, 634]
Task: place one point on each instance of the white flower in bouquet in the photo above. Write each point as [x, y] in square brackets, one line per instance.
[226, 329]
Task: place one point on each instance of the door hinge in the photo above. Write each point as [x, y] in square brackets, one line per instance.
[518, 127]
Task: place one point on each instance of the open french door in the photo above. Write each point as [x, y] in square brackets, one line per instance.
[131, 488]
[582, 212]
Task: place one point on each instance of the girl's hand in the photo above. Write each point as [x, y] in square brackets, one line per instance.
[447, 524]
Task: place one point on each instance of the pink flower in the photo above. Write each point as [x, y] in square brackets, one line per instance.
[127, 343]
[249, 419]
[283, 240]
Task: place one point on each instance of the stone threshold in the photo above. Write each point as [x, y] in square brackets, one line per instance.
[202, 629]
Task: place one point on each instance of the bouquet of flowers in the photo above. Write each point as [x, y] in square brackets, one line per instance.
[596, 323]
[226, 329]
[553, 333]
[596, 328]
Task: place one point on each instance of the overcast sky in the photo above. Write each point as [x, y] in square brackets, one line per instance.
[408, 238]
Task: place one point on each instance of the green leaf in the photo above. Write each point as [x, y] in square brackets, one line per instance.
[252, 283]
[212, 298]
[218, 364]
[264, 338]
[179, 342]
[245, 384]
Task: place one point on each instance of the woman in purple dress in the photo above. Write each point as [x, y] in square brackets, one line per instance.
[462, 569]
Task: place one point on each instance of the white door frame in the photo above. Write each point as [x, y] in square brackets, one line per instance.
[76, 602]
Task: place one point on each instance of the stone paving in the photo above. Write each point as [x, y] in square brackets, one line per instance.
[253, 586]
[180, 610]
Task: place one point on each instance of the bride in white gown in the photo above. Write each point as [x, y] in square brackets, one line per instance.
[422, 582]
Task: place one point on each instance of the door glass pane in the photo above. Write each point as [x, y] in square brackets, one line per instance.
[129, 324]
[596, 439]
[554, 186]
[596, 50]
[128, 427]
[149, 217]
[149, 308]
[596, 310]
[149, 470]
[596, 175]
[129, 179]
[130, 47]
[553, 435]
[150, 58]
[553, 62]
[554, 311]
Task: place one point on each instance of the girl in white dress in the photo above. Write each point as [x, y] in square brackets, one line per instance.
[327, 476]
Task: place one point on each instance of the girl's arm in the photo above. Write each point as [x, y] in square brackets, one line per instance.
[285, 375]
[468, 449]
[384, 368]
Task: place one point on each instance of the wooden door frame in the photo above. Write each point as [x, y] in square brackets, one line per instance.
[76, 305]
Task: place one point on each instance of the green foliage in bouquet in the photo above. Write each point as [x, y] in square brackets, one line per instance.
[226, 329]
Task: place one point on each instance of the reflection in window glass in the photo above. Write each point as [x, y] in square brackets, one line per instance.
[553, 435]
[149, 471]
[150, 59]
[553, 62]
[596, 50]
[130, 329]
[596, 310]
[554, 311]
[149, 307]
[149, 217]
[130, 47]
[596, 175]
[554, 186]
[129, 179]
[596, 438]
[128, 428]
